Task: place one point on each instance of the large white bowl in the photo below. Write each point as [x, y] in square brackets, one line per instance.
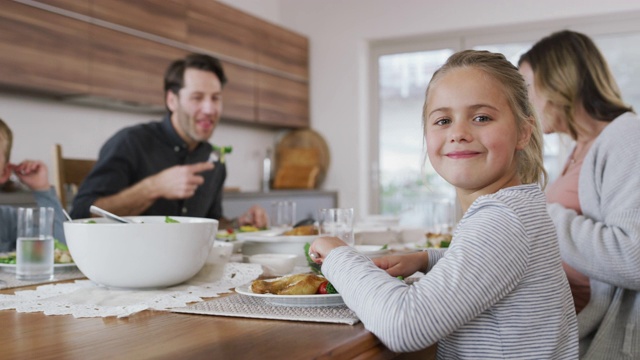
[152, 254]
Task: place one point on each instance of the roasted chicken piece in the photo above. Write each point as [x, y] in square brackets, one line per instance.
[304, 230]
[298, 284]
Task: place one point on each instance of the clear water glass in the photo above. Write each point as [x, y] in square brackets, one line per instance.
[337, 222]
[34, 246]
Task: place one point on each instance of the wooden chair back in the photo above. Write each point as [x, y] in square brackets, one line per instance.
[68, 174]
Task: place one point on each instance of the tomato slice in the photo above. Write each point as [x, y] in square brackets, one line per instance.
[322, 289]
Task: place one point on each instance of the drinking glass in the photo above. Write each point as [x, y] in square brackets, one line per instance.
[34, 246]
[337, 222]
[283, 214]
[443, 216]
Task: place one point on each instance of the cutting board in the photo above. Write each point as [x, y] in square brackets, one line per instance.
[296, 177]
[304, 149]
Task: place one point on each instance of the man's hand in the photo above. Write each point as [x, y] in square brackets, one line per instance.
[255, 216]
[180, 181]
[177, 182]
[32, 173]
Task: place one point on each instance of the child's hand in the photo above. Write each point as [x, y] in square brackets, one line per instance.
[32, 173]
[255, 216]
[322, 246]
[403, 265]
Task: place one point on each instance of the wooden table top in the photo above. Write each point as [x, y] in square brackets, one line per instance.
[160, 335]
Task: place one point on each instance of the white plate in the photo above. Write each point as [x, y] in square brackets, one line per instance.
[11, 268]
[277, 238]
[262, 233]
[294, 300]
[371, 249]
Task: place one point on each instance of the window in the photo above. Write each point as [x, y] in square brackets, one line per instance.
[402, 69]
[404, 172]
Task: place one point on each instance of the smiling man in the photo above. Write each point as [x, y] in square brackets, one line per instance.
[162, 168]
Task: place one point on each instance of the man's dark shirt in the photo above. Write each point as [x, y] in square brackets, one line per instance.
[140, 151]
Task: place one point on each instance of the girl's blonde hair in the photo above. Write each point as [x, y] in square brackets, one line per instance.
[6, 140]
[530, 165]
[569, 70]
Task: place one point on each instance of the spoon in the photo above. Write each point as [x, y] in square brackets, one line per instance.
[66, 214]
[98, 211]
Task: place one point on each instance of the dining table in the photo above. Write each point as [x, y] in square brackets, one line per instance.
[152, 334]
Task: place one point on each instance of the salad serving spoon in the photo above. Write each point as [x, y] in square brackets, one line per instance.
[98, 211]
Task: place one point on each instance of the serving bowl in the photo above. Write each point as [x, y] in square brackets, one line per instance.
[151, 254]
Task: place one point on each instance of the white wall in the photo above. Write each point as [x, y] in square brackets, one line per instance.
[339, 33]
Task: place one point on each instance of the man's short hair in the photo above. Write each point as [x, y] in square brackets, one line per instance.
[174, 76]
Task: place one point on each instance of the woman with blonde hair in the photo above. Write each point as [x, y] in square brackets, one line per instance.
[595, 203]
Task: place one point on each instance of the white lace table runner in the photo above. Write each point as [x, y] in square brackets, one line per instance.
[253, 307]
[84, 298]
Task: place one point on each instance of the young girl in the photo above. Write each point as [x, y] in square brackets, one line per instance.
[33, 174]
[499, 290]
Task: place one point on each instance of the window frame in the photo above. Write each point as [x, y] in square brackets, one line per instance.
[606, 24]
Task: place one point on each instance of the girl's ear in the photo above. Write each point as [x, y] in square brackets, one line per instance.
[525, 134]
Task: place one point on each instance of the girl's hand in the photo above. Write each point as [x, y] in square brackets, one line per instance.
[32, 173]
[322, 246]
[403, 265]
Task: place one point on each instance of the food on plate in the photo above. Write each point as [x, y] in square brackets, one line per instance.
[61, 255]
[298, 284]
[249, 228]
[437, 240]
[226, 235]
[9, 258]
[327, 288]
[230, 234]
[169, 220]
[304, 230]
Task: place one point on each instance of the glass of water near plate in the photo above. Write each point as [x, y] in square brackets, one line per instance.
[283, 215]
[337, 222]
[34, 245]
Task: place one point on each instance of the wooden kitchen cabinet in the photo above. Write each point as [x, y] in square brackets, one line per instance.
[164, 18]
[282, 101]
[283, 50]
[223, 30]
[82, 7]
[239, 94]
[42, 51]
[129, 68]
[276, 63]
[118, 50]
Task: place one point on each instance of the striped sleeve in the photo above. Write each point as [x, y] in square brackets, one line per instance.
[476, 301]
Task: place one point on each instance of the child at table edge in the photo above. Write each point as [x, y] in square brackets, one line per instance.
[34, 175]
[499, 290]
